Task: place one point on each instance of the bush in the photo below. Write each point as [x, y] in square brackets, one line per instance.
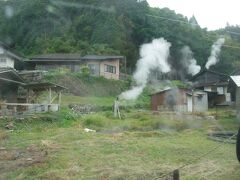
[94, 121]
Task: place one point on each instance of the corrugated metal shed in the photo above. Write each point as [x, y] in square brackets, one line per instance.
[179, 99]
[236, 80]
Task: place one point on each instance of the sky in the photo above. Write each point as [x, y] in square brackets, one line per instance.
[210, 14]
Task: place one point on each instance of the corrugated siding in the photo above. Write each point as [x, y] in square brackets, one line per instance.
[159, 101]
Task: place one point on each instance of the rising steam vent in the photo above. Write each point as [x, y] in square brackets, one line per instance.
[153, 55]
[215, 52]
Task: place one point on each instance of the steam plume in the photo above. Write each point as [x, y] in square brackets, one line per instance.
[216, 49]
[189, 62]
[153, 56]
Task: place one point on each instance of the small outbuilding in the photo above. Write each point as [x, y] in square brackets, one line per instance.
[215, 84]
[180, 100]
[19, 90]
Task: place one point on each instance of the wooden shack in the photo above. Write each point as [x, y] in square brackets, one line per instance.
[19, 90]
[9, 84]
[20, 97]
[180, 100]
[215, 84]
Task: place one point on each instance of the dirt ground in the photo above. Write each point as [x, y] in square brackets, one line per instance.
[12, 159]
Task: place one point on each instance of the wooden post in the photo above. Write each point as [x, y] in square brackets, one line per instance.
[116, 109]
[125, 64]
[27, 99]
[59, 99]
[176, 175]
[192, 101]
[50, 96]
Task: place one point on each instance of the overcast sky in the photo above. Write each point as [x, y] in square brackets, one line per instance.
[213, 14]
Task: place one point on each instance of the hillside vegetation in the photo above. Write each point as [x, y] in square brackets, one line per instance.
[108, 27]
[83, 84]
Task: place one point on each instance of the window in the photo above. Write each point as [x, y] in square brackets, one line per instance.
[3, 60]
[93, 68]
[220, 90]
[110, 69]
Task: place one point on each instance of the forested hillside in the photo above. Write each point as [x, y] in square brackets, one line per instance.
[33, 27]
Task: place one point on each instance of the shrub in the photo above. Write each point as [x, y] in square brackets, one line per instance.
[94, 121]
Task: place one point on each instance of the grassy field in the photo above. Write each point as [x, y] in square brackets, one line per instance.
[99, 101]
[143, 145]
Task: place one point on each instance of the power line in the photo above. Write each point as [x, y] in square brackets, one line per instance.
[188, 23]
[201, 156]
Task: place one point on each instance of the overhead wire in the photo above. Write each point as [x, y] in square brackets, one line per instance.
[189, 23]
[171, 19]
[199, 157]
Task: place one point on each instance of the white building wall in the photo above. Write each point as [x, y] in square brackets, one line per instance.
[200, 102]
[6, 62]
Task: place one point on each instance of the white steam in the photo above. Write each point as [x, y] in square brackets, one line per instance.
[189, 62]
[153, 55]
[216, 49]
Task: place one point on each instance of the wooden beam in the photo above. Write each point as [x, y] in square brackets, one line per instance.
[53, 99]
[8, 80]
[59, 99]
[22, 104]
[27, 96]
[50, 95]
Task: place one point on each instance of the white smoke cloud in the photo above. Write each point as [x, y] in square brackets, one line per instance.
[154, 55]
[216, 49]
[132, 93]
[189, 62]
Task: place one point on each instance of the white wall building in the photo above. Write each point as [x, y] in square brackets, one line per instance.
[8, 59]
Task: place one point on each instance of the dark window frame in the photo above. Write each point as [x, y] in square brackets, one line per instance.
[110, 69]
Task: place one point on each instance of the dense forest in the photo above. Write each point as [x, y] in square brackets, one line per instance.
[119, 27]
